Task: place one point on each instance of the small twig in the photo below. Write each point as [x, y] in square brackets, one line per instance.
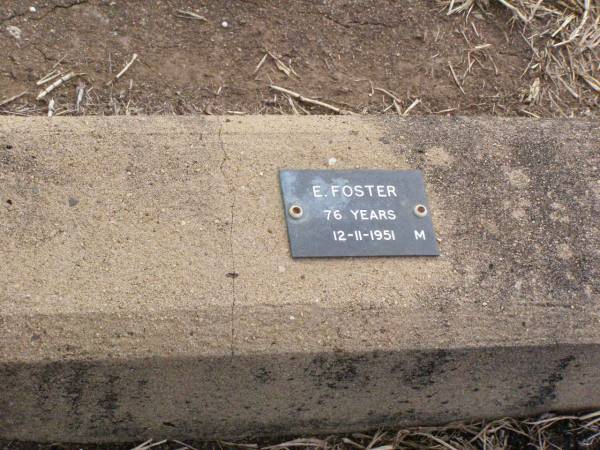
[188, 446]
[352, 443]
[529, 113]
[516, 10]
[190, 15]
[127, 66]
[262, 61]
[412, 105]
[149, 444]
[445, 111]
[307, 100]
[235, 444]
[304, 110]
[13, 98]
[142, 445]
[80, 93]
[388, 93]
[496, 71]
[456, 78]
[64, 112]
[575, 32]
[565, 22]
[291, 102]
[308, 442]
[287, 69]
[56, 84]
[591, 81]
[436, 439]
[390, 106]
[59, 61]
[49, 77]
[51, 107]
[567, 87]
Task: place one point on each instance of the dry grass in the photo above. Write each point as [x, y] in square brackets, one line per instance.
[564, 37]
[544, 433]
[562, 78]
[548, 432]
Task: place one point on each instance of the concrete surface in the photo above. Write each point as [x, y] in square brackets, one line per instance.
[147, 288]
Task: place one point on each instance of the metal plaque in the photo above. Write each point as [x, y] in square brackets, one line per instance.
[357, 213]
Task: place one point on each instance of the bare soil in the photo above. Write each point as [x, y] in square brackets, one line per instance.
[341, 51]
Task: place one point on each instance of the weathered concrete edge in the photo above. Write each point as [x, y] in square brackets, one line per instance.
[34, 342]
[117, 400]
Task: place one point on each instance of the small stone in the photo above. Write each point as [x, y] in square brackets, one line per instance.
[73, 201]
[332, 161]
[225, 24]
[32, 9]
[14, 32]
[281, 269]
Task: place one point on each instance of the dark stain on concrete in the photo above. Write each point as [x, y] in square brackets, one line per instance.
[421, 370]
[546, 390]
[533, 187]
[263, 375]
[336, 371]
[116, 399]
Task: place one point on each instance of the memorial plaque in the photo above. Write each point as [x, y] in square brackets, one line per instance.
[357, 213]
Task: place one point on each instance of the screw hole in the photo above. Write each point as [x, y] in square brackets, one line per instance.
[420, 210]
[296, 211]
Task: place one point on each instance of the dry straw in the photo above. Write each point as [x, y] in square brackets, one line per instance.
[564, 37]
[548, 432]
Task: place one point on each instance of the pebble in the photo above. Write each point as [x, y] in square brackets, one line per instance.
[332, 161]
[14, 32]
[32, 9]
[225, 24]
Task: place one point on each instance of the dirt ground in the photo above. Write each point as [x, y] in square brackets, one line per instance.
[338, 51]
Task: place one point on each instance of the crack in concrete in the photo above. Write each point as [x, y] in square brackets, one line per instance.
[232, 274]
[53, 8]
[233, 277]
